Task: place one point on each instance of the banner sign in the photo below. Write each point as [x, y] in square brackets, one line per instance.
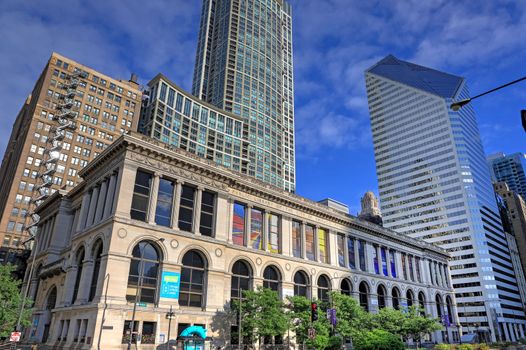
[170, 283]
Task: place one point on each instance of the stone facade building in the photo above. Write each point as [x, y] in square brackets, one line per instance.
[146, 211]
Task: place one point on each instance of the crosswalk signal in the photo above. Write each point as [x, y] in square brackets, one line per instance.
[314, 311]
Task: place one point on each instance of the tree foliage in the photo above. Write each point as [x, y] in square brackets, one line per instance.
[377, 339]
[262, 314]
[11, 301]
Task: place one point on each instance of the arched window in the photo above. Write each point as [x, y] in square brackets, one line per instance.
[271, 278]
[410, 297]
[144, 273]
[422, 302]
[97, 253]
[301, 284]
[439, 305]
[449, 306]
[241, 275]
[346, 287]
[193, 277]
[381, 294]
[396, 298]
[36, 278]
[51, 300]
[363, 290]
[323, 288]
[80, 262]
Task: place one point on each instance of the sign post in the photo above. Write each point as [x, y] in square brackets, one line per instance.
[15, 337]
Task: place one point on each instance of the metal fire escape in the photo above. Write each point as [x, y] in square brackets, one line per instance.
[65, 117]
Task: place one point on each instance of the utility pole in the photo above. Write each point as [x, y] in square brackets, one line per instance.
[170, 315]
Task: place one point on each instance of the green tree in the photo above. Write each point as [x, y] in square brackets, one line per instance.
[262, 314]
[416, 324]
[377, 339]
[11, 301]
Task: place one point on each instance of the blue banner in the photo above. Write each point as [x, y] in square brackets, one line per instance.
[170, 283]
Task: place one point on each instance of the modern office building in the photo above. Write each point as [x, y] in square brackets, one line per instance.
[158, 227]
[244, 66]
[175, 117]
[434, 184]
[72, 115]
[514, 209]
[510, 169]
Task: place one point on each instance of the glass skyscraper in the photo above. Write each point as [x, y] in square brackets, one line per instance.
[244, 66]
[434, 184]
[509, 169]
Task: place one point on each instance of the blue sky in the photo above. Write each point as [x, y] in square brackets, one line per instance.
[334, 42]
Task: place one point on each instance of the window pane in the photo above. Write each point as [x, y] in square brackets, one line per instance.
[256, 229]
[186, 210]
[309, 242]
[207, 213]
[322, 245]
[350, 248]
[296, 239]
[141, 196]
[163, 212]
[238, 224]
[341, 250]
[273, 233]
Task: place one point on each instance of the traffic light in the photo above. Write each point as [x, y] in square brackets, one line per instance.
[523, 116]
[314, 311]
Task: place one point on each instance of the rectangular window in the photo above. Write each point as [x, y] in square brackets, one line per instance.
[393, 263]
[273, 233]
[162, 94]
[404, 266]
[171, 97]
[296, 239]
[322, 245]
[141, 196]
[148, 333]
[163, 211]
[126, 334]
[411, 271]
[186, 209]
[206, 226]
[375, 260]
[361, 253]
[238, 224]
[10, 226]
[179, 103]
[341, 250]
[256, 229]
[418, 274]
[309, 242]
[350, 248]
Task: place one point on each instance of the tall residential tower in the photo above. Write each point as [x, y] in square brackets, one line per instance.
[510, 169]
[244, 66]
[434, 184]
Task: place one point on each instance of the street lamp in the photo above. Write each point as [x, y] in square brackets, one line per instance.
[137, 292]
[455, 106]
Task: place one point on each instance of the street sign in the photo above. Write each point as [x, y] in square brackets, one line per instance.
[312, 333]
[15, 337]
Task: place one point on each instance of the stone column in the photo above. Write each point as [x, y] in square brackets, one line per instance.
[399, 265]
[83, 211]
[445, 273]
[101, 202]
[230, 219]
[101, 279]
[124, 190]
[92, 206]
[67, 296]
[154, 192]
[506, 333]
[388, 261]
[357, 263]
[85, 282]
[303, 241]
[110, 196]
[177, 204]
[379, 259]
[197, 210]
[423, 271]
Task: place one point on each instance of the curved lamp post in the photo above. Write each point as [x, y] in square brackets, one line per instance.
[459, 104]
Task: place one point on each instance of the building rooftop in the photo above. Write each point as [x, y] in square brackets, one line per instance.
[435, 82]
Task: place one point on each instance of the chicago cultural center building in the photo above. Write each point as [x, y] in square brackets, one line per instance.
[153, 227]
